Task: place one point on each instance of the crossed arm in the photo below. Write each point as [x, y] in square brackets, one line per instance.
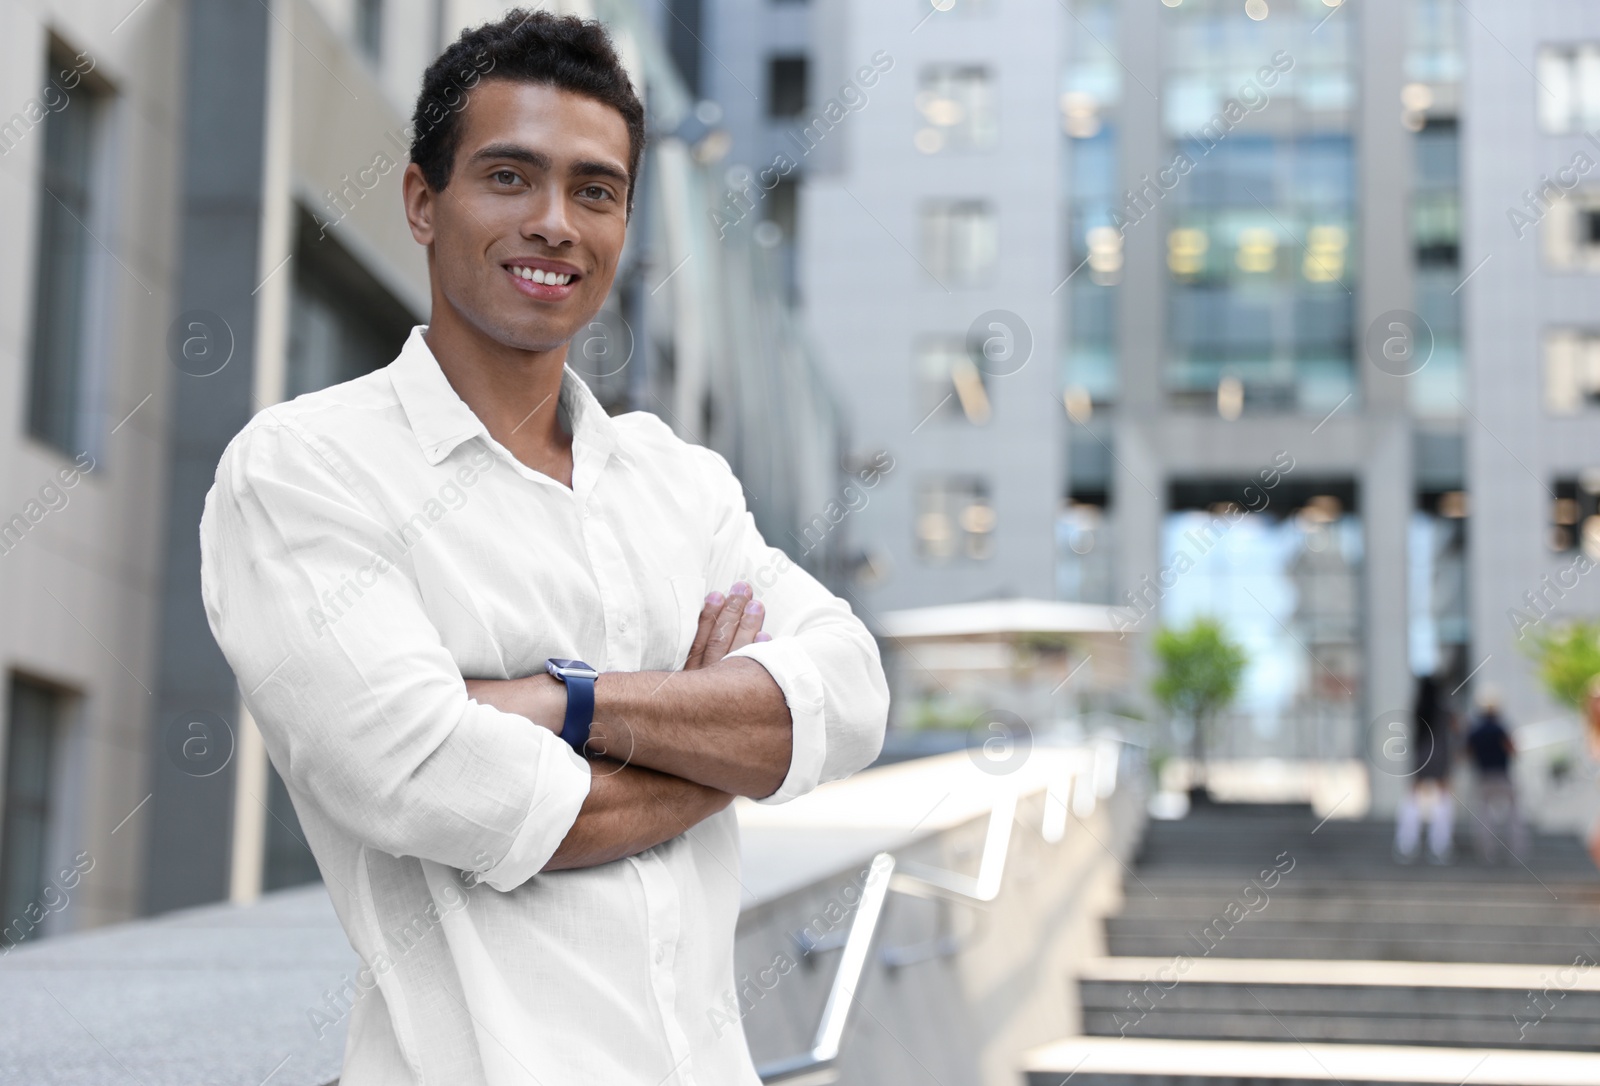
[668, 748]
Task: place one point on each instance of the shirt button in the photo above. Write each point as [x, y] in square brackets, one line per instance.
[661, 953]
[622, 624]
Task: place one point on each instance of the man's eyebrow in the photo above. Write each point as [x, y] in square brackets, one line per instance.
[539, 160]
[513, 151]
[589, 168]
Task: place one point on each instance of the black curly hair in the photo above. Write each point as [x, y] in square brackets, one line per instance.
[561, 51]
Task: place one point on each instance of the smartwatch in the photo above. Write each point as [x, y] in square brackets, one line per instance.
[579, 678]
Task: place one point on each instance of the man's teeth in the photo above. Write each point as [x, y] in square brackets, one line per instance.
[539, 275]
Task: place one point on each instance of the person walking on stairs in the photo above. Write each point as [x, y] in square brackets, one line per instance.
[1499, 826]
[1432, 751]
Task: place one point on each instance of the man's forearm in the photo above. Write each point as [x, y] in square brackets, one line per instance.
[630, 809]
[726, 726]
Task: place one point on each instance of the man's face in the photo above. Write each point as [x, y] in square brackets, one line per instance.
[538, 191]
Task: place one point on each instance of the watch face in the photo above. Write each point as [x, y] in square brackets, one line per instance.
[575, 667]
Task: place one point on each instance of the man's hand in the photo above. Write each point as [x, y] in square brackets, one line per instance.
[726, 623]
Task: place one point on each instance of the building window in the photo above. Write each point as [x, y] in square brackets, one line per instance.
[288, 860]
[957, 109]
[63, 269]
[369, 28]
[782, 208]
[787, 89]
[960, 242]
[1571, 232]
[342, 323]
[955, 519]
[32, 739]
[1575, 514]
[1260, 310]
[1571, 371]
[1568, 87]
[949, 381]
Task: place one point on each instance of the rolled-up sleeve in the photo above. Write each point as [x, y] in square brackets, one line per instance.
[362, 706]
[821, 655]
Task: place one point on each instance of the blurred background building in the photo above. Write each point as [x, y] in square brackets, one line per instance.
[1089, 282]
[982, 299]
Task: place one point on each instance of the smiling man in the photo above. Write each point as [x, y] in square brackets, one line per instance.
[479, 624]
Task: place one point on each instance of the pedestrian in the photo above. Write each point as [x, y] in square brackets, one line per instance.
[1491, 747]
[1432, 753]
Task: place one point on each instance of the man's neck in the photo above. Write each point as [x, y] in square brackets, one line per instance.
[515, 393]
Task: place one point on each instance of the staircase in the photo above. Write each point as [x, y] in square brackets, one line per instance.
[1257, 945]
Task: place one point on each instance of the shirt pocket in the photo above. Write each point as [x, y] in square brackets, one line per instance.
[689, 591]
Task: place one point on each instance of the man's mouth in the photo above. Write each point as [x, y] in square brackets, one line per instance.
[547, 280]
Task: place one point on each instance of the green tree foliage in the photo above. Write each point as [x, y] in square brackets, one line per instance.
[1567, 659]
[1201, 668]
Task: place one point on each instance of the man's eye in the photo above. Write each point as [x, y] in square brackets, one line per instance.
[596, 192]
[505, 177]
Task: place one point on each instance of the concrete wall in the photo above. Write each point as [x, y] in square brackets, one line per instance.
[868, 296]
[83, 588]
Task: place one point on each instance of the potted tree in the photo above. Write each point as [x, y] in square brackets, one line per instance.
[1201, 667]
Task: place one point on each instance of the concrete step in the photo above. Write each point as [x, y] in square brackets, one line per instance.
[1245, 840]
[1117, 1061]
[1364, 1002]
[1365, 940]
[1396, 886]
[1337, 903]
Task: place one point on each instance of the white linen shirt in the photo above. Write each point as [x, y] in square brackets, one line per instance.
[365, 548]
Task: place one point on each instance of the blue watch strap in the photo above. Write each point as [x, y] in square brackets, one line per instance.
[580, 710]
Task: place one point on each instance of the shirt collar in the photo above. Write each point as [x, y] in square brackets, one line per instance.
[441, 419]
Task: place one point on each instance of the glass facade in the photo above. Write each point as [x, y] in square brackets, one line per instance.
[1286, 582]
[1091, 89]
[1261, 287]
[1437, 580]
[1258, 208]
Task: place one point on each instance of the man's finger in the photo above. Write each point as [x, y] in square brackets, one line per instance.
[702, 633]
[726, 625]
[749, 625]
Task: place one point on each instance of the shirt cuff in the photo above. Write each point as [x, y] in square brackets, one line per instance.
[791, 668]
[559, 788]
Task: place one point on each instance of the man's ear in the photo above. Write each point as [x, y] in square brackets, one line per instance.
[420, 201]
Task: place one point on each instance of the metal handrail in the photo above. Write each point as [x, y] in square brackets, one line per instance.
[815, 1065]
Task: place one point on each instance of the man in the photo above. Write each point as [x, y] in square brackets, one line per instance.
[540, 873]
[1500, 827]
